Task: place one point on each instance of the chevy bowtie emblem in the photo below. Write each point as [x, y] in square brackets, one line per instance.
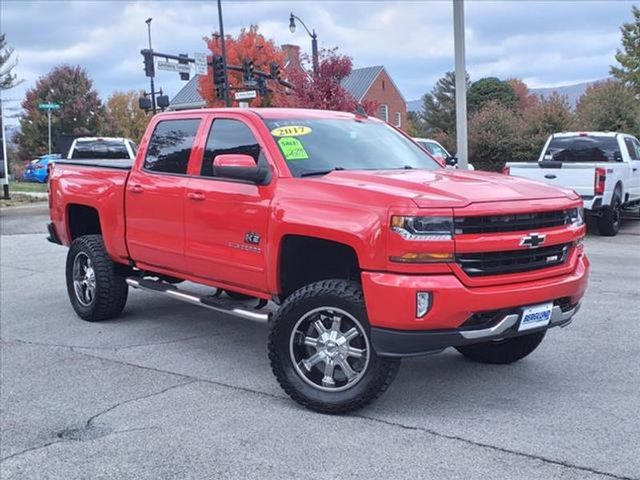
[533, 240]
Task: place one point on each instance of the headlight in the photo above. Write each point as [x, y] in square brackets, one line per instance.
[576, 216]
[423, 228]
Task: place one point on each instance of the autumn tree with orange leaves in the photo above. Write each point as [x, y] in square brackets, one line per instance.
[248, 45]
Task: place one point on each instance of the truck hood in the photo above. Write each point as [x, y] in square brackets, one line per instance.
[447, 187]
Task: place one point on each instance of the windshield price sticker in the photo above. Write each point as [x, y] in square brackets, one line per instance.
[290, 131]
[292, 149]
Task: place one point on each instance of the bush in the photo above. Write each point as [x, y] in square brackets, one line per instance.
[496, 137]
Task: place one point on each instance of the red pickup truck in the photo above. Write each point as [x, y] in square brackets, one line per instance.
[370, 249]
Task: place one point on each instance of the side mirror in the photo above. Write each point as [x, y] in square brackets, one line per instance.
[241, 167]
[451, 161]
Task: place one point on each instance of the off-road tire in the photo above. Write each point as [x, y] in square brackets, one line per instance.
[504, 351]
[111, 290]
[345, 295]
[609, 222]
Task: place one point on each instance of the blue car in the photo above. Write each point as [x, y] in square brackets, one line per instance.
[38, 169]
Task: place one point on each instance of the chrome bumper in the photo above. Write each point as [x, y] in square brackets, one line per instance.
[558, 319]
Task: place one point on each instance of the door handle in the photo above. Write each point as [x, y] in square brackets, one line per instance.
[550, 176]
[635, 169]
[136, 189]
[196, 196]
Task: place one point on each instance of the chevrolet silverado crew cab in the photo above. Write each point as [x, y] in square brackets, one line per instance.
[602, 167]
[367, 247]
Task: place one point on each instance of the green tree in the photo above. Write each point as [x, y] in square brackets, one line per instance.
[548, 116]
[439, 106]
[81, 111]
[415, 125]
[491, 89]
[128, 120]
[629, 58]
[609, 106]
[496, 137]
[7, 79]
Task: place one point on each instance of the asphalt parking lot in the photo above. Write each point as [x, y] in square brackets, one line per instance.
[174, 391]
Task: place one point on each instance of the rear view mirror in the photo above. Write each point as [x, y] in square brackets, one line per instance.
[451, 161]
[241, 167]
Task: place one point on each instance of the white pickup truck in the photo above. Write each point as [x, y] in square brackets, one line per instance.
[602, 167]
[90, 148]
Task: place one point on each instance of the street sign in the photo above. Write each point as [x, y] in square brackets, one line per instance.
[201, 63]
[49, 106]
[173, 67]
[247, 95]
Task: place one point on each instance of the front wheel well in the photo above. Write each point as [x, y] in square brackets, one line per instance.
[82, 220]
[305, 260]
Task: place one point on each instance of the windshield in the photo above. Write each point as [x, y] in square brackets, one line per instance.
[320, 146]
[434, 149]
[93, 149]
[586, 148]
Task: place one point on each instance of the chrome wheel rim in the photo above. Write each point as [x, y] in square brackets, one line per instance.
[84, 279]
[329, 349]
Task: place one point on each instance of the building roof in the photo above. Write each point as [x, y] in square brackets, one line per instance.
[188, 96]
[360, 80]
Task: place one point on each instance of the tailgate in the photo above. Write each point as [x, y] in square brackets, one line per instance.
[577, 177]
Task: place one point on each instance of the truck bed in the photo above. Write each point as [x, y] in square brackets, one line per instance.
[124, 164]
[97, 184]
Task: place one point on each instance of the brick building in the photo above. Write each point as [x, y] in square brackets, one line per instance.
[375, 84]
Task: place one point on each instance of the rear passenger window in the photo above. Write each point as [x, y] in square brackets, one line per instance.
[229, 136]
[633, 153]
[170, 146]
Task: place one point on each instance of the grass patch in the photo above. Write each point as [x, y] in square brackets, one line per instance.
[27, 187]
[18, 199]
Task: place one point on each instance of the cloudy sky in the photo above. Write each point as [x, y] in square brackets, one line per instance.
[544, 43]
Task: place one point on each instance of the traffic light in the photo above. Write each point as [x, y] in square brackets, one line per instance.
[275, 70]
[149, 68]
[262, 87]
[162, 101]
[184, 60]
[144, 103]
[218, 75]
[247, 70]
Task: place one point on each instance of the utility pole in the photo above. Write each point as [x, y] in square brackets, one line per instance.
[461, 85]
[227, 100]
[5, 178]
[153, 88]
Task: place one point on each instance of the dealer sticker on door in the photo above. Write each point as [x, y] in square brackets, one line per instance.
[535, 316]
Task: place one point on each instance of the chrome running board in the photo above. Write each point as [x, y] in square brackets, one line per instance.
[220, 306]
[558, 318]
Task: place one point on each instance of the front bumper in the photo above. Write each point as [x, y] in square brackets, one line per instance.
[398, 343]
[391, 307]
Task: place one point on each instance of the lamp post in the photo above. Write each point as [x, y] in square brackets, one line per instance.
[461, 84]
[314, 40]
[5, 163]
[153, 88]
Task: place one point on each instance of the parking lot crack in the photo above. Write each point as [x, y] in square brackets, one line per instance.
[114, 349]
[89, 422]
[30, 449]
[531, 456]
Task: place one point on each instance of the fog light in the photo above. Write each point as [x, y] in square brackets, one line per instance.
[423, 303]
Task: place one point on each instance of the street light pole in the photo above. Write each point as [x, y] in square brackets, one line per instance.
[5, 178]
[153, 88]
[461, 85]
[227, 100]
[314, 40]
